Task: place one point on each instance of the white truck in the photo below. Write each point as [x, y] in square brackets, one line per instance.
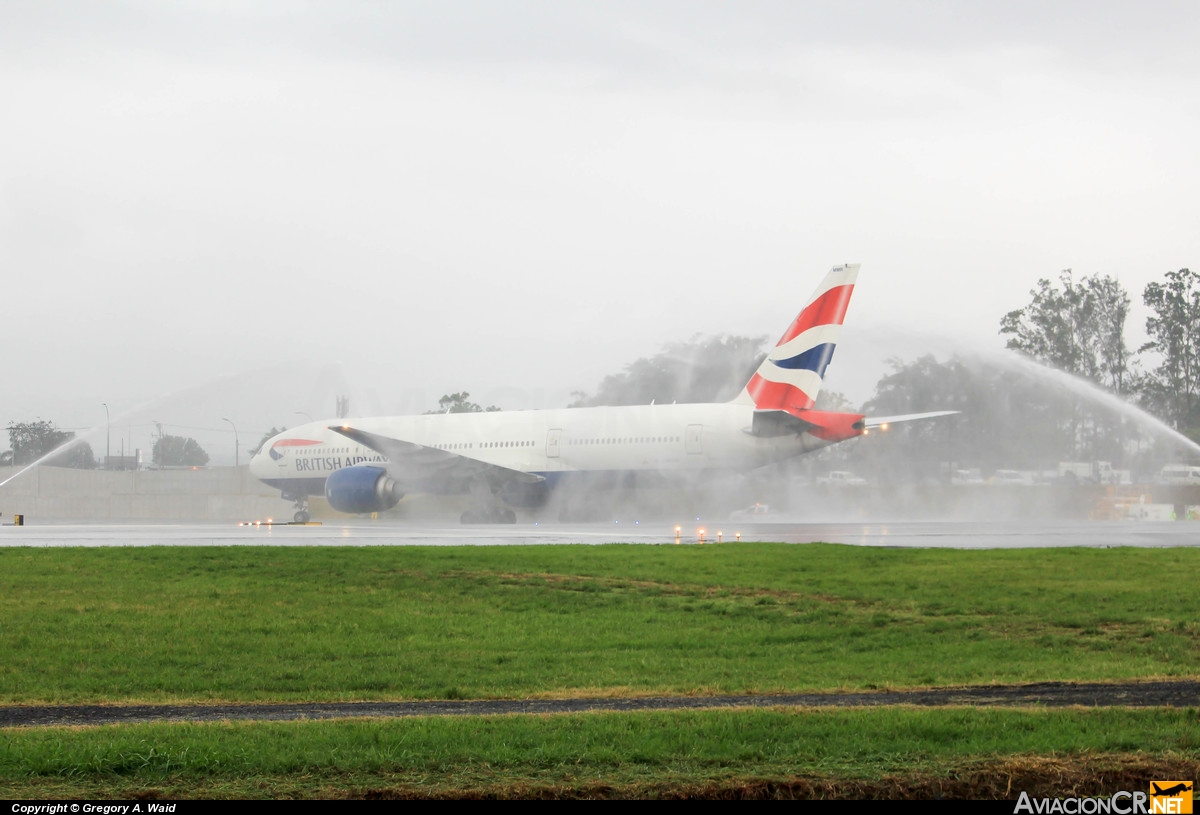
[754, 512]
[1179, 474]
[1097, 472]
[842, 478]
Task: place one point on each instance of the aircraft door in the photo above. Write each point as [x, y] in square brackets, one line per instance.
[552, 437]
[692, 439]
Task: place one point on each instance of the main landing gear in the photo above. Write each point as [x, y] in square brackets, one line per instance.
[486, 506]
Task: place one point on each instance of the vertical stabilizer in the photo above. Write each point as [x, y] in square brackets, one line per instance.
[790, 377]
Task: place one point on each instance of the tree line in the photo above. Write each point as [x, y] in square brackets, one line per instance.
[1017, 417]
[35, 440]
[30, 441]
[1079, 328]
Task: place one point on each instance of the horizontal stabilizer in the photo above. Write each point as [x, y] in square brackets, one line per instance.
[882, 421]
[772, 423]
[823, 424]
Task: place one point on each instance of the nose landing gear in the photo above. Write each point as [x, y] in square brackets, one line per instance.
[301, 503]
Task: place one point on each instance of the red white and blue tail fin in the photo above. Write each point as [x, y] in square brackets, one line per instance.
[790, 377]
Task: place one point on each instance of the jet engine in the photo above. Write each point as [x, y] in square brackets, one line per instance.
[362, 488]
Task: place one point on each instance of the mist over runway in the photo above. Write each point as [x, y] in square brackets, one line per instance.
[908, 534]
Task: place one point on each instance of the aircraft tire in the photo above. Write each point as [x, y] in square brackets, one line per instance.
[301, 517]
[509, 517]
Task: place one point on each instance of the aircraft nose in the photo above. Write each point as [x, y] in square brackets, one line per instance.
[258, 463]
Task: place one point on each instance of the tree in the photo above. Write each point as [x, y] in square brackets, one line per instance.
[834, 401]
[1079, 328]
[457, 403]
[1174, 329]
[177, 451]
[32, 440]
[270, 434]
[703, 369]
[1110, 309]
[1075, 327]
[918, 450]
[1013, 416]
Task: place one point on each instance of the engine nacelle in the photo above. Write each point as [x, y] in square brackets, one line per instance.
[362, 488]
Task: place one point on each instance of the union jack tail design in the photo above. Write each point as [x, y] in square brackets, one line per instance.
[790, 377]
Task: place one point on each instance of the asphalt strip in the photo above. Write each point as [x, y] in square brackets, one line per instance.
[1182, 693]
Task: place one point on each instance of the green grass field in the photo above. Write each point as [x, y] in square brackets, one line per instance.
[167, 624]
[119, 625]
[598, 753]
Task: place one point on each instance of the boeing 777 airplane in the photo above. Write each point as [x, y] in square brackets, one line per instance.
[509, 459]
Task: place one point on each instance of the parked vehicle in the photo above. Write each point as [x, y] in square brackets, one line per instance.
[754, 512]
[1096, 472]
[968, 477]
[1179, 474]
[842, 478]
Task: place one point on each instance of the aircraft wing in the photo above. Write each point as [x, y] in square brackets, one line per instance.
[415, 464]
[908, 417]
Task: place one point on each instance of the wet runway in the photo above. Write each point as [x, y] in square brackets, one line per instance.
[946, 534]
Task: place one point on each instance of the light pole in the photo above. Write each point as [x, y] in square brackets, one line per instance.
[157, 448]
[236, 459]
[107, 433]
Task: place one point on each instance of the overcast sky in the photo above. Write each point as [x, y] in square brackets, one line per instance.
[237, 210]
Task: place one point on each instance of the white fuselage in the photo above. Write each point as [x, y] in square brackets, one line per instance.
[669, 438]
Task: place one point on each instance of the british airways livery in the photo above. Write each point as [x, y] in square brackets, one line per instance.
[507, 459]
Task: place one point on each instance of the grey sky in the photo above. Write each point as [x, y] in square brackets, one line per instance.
[212, 202]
